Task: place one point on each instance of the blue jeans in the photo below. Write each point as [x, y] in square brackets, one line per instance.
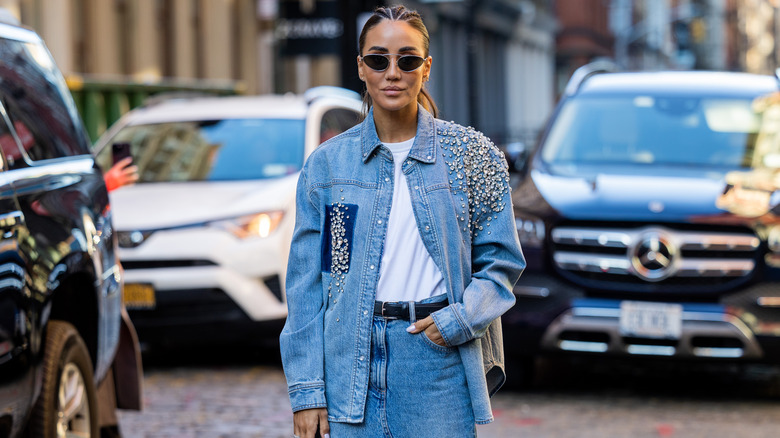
[416, 388]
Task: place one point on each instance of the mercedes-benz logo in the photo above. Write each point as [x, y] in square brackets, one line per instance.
[654, 255]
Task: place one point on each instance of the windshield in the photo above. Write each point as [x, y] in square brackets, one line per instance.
[637, 131]
[213, 150]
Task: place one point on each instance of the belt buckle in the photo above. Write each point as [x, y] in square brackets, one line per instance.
[383, 310]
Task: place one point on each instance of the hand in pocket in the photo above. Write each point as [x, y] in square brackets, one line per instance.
[429, 328]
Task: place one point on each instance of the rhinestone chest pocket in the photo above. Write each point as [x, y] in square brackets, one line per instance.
[337, 235]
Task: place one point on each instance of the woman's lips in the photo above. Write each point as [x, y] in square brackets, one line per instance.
[392, 91]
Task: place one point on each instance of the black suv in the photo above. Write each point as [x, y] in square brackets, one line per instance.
[622, 213]
[61, 317]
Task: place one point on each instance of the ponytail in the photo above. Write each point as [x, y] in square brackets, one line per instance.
[425, 99]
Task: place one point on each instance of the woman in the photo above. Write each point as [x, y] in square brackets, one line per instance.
[418, 255]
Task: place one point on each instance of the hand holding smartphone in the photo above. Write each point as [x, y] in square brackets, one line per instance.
[121, 174]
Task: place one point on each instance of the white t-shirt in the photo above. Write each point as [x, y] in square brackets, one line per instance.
[407, 272]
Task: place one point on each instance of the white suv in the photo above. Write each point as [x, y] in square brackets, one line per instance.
[205, 233]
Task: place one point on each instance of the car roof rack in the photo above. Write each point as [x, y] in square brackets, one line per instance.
[586, 71]
[172, 96]
[329, 91]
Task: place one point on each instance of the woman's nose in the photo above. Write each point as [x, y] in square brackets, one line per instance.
[392, 68]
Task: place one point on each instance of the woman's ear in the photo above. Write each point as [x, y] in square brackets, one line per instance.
[360, 68]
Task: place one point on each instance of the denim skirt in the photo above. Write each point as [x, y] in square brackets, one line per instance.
[416, 389]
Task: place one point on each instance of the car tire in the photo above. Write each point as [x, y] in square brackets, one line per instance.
[68, 401]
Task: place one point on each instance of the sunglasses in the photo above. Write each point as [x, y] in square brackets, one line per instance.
[380, 62]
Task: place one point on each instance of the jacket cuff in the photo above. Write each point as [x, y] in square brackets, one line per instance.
[452, 327]
[307, 396]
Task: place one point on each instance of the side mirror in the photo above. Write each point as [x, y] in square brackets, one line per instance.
[516, 156]
[772, 160]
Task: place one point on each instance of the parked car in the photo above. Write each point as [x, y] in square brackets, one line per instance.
[205, 233]
[62, 329]
[630, 250]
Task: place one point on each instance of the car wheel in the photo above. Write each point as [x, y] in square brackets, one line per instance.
[67, 403]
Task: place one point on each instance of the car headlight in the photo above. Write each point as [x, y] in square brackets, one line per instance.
[530, 231]
[252, 225]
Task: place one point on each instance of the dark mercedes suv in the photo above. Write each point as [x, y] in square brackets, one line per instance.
[62, 328]
[631, 247]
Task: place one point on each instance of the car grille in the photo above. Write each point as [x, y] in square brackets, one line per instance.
[654, 258]
[158, 264]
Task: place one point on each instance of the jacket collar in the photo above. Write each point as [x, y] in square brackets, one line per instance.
[424, 146]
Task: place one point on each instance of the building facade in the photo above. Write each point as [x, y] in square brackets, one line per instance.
[493, 59]
[147, 40]
[753, 27]
[583, 35]
[493, 64]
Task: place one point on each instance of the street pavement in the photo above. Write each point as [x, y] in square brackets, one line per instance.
[248, 398]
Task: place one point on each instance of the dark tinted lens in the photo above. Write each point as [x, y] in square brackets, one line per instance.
[410, 62]
[376, 62]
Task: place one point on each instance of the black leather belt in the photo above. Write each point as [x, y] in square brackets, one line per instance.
[403, 309]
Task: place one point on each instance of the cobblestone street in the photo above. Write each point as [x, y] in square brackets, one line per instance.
[248, 399]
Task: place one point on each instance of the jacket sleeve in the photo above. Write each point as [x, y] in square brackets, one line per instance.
[496, 257]
[301, 341]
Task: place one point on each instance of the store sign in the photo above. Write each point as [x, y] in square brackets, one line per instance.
[317, 28]
[316, 31]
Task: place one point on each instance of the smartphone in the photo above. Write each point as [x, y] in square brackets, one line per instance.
[120, 151]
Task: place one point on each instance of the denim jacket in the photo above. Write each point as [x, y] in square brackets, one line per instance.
[458, 182]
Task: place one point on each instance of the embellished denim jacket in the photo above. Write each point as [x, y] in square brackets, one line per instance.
[460, 194]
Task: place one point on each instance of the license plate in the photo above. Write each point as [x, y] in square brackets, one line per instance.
[650, 320]
[139, 296]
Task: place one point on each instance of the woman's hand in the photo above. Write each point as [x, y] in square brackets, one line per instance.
[429, 327]
[306, 422]
[123, 173]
